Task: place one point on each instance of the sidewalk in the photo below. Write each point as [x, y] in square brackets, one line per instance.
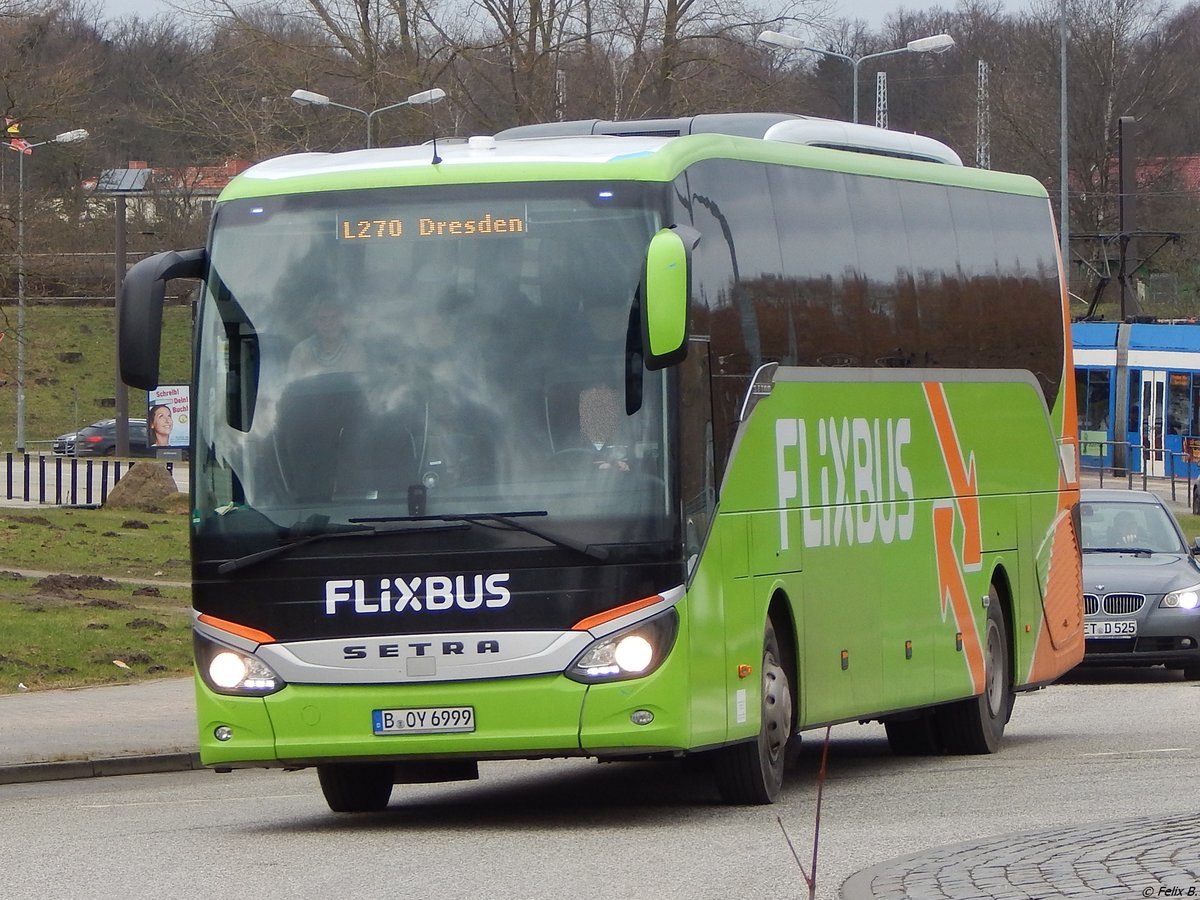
[1180, 504]
[1153, 856]
[120, 730]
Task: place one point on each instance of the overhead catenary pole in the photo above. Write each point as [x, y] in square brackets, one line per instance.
[119, 184]
[881, 109]
[121, 407]
[1064, 209]
[983, 119]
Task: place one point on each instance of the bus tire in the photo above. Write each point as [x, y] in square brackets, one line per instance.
[751, 773]
[976, 725]
[356, 787]
[915, 735]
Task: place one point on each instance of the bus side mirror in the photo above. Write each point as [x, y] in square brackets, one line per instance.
[139, 312]
[666, 286]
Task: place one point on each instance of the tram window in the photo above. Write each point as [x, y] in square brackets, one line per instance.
[1135, 393]
[1092, 390]
[1178, 402]
[1194, 418]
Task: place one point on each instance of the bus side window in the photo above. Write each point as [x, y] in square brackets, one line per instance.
[697, 464]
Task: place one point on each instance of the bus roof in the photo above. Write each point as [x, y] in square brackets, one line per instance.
[583, 157]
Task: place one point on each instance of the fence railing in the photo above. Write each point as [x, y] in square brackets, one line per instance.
[62, 480]
[1173, 468]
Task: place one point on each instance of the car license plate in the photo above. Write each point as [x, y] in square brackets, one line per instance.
[1123, 628]
[424, 720]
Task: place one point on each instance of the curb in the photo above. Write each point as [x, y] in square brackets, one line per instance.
[26, 773]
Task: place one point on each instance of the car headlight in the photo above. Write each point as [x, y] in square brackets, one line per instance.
[629, 653]
[1188, 598]
[227, 670]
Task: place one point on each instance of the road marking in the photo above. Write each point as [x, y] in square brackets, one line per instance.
[196, 800]
[1128, 752]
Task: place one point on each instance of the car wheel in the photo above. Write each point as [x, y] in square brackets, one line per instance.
[1192, 672]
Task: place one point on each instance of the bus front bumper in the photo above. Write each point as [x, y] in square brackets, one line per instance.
[515, 718]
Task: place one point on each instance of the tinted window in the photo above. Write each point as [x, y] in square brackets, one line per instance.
[918, 275]
[736, 279]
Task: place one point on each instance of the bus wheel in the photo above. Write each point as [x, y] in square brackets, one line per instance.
[752, 772]
[357, 787]
[977, 725]
[916, 735]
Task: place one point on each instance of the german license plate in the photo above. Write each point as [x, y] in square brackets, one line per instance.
[1119, 629]
[424, 720]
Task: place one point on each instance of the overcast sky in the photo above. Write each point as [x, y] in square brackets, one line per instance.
[117, 9]
[871, 11]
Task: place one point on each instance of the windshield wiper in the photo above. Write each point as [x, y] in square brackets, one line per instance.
[296, 538]
[1139, 551]
[597, 553]
[508, 519]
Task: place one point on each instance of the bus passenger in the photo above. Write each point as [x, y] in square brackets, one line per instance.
[330, 348]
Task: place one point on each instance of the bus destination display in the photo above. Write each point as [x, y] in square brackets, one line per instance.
[394, 227]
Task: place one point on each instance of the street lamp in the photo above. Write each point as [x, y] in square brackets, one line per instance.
[936, 43]
[24, 149]
[311, 98]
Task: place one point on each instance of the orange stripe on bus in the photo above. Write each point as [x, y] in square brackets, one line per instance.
[245, 631]
[962, 476]
[600, 618]
[954, 590]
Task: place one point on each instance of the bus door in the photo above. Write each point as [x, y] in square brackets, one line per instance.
[1150, 440]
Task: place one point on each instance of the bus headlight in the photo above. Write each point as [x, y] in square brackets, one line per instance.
[1188, 598]
[630, 653]
[234, 672]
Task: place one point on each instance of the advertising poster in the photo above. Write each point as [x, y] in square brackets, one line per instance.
[169, 416]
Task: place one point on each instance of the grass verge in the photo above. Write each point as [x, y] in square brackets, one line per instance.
[113, 608]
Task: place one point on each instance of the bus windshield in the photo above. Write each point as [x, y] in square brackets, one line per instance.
[406, 354]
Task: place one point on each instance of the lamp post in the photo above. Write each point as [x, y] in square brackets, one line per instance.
[936, 43]
[67, 137]
[311, 98]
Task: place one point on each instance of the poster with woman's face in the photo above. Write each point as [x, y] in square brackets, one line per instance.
[168, 417]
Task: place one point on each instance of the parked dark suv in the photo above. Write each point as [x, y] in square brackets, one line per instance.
[100, 439]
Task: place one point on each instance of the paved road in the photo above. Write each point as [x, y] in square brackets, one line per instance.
[1091, 797]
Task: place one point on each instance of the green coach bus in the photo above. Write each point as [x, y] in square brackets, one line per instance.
[621, 440]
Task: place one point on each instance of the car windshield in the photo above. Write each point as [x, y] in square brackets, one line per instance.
[1119, 525]
[403, 353]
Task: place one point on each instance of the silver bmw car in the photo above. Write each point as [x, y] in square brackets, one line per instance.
[1141, 583]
